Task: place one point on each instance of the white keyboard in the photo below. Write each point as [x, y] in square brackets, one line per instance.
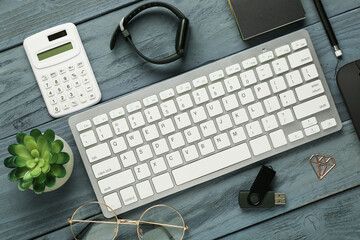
[205, 123]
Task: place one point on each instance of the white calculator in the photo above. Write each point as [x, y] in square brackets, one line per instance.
[62, 69]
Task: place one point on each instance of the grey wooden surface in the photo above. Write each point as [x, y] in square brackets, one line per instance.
[315, 209]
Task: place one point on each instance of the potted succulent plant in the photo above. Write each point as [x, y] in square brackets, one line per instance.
[39, 162]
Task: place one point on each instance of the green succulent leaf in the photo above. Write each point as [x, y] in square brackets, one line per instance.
[41, 142]
[63, 158]
[35, 153]
[20, 161]
[12, 177]
[24, 185]
[46, 156]
[39, 188]
[49, 135]
[41, 178]
[50, 180]
[30, 144]
[57, 146]
[58, 171]
[46, 168]
[30, 163]
[35, 133]
[9, 162]
[41, 163]
[28, 177]
[20, 172]
[20, 137]
[19, 150]
[35, 172]
[54, 158]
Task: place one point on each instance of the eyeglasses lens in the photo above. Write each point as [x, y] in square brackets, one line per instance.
[103, 228]
[173, 228]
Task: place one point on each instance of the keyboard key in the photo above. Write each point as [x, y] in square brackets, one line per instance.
[308, 122]
[150, 100]
[214, 108]
[309, 90]
[104, 132]
[309, 72]
[198, 114]
[118, 144]
[100, 119]
[280, 66]
[312, 130]
[248, 63]
[142, 171]
[152, 114]
[237, 135]
[256, 110]
[182, 120]
[287, 98]
[293, 78]
[311, 107]
[128, 159]
[144, 189]
[246, 96]
[106, 167]
[120, 126]
[128, 195]
[168, 108]
[295, 136]
[132, 107]
[262, 90]
[144, 152]
[192, 134]
[158, 165]
[117, 113]
[260, 145]
[240, 116]
[211, 164]
[230, 102]
[176, 140]
[150, 132]
[113, 201]
[300, 58]
[81, 126]
[201, 81]
[278, 138]
[200, 96]
[116, 181]
[208, 128]
[216, 90]
[166, 126]
[266, 56]
[253, 129]
[280, 51]
[137, 120]
[264, 72]
[88, 138]
[185, 87]
[184, 102]
[269, 123]
[224, 122]
[98, 152]
[216, 75]
[162, 182]
[248, 78]
[190, 153]
[232, 84]
[278, 84]
[160, 146]
[222, 141]
[271, 104]
[174, 159]
[285, 117]
[235, 68]
[298, 44]
[134, 138]
[74, 102]
[169, 93]
[206, 147]
[329, 123]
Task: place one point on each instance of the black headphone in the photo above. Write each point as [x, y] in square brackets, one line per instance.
[180, 34]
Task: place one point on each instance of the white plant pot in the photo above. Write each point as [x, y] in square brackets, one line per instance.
[68, 167]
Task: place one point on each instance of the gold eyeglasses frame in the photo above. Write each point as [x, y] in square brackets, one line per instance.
[127, 221]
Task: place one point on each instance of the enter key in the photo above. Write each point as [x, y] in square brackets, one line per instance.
[309, 90]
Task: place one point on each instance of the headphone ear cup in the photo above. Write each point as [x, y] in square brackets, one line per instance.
[181, 35]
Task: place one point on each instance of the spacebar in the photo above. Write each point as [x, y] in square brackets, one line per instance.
[211, 164]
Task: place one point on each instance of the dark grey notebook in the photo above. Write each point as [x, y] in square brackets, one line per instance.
[255, 17]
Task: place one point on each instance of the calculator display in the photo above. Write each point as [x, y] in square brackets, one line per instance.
[55, 51]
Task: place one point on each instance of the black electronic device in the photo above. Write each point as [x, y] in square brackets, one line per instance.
[348, 80]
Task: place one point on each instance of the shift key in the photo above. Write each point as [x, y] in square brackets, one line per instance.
[311, 107]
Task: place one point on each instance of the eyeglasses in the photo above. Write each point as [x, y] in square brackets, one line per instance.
[159, 222]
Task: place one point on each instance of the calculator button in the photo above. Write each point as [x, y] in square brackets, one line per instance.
[44, 77]
[53, 74]
[66, 106]
[50, 93]
[92, 96]
[80, 64]
[59, 89]
[71, 94]
[47, 85]
[74, 103]
[62, 70]
[77, 83]
[83, 72]
[65, 78]
[71, 67]
[62, 98]
[82, 96]
[68, 86]
[53, 101]
[85, 80]
[56, 82]
[56, 109]
[74, 75]
[88, 88]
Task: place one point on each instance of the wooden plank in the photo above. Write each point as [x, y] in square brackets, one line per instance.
[213, 35]
[21, 19]
[331, 218]
[204, 207]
